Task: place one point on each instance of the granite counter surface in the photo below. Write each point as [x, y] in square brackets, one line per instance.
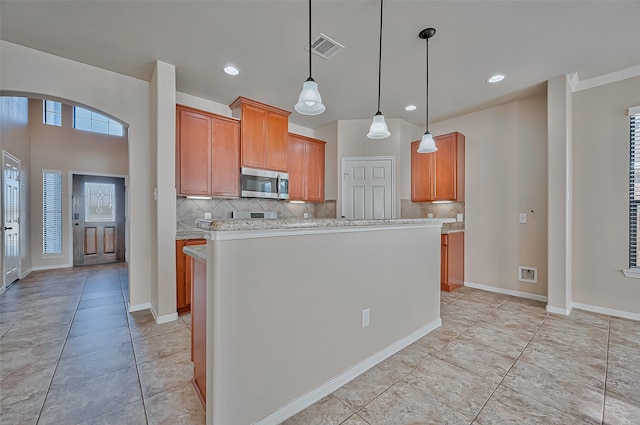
[199, 252]
[190, 234]
[269, 224]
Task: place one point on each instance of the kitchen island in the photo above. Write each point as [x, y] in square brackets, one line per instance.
[297, 308]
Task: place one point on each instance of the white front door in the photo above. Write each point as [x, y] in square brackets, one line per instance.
[11, 218]
[367, 188]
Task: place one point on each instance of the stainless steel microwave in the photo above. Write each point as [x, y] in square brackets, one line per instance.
[264, 184]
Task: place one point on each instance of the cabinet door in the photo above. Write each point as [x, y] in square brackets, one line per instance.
[296, 167]
[194, 153]
[446, 168]
[254, 136]
[277, 142]
[225, 158]
[314, 179]
[183, 275]
[422, 174]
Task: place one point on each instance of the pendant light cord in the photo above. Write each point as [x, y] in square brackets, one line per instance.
[426, 108]
[310, 78]
[380, 58]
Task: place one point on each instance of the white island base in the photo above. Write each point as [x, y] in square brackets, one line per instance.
[285, 305]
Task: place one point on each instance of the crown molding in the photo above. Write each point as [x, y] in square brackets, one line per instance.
[577, 85]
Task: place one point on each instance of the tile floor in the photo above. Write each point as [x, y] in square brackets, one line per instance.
[71, 354]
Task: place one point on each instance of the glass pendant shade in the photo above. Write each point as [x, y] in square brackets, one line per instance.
[427, 144]
[310, 102]
[378, 129]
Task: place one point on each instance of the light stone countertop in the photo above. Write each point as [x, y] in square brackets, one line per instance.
[191, 234]
[199, 252]
[289, 223]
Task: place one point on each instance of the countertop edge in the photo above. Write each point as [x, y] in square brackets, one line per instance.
[231, 225]
[197, 252]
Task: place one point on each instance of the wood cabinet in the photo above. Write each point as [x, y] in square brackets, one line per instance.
[306, 169]
[438, 176]
[183, 275]
[199, 328]
[452, 261]
[264, 129]
[207, 154]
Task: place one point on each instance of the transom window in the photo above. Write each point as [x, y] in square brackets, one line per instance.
[52, 113]
[84, 119]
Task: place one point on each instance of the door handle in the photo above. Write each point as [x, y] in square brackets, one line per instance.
[8, 228]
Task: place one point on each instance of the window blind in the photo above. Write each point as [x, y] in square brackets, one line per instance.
[51, 212]
[634, 188]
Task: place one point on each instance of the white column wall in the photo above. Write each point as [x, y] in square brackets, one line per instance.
[560, 175]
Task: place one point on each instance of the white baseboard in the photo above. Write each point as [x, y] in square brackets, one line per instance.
[25, 274]
[163, 319]
[558, 310]
[138, 307]
[330, 386]
[58, 266]
[506, 291]
[608, 311]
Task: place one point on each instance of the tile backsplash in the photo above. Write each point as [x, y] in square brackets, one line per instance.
[410, 209]
[189, 210]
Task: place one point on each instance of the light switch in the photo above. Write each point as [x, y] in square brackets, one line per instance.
[523, 218]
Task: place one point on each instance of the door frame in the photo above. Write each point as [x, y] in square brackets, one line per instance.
[5, 154]
[370, 158]
[70, 210]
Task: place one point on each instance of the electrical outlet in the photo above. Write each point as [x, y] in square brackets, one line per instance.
[429, 215]
[365, 317]
[305, 215]
[523, 218]
[459, 218]
[207, 215]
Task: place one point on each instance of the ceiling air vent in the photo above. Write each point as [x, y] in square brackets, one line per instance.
[325, 47]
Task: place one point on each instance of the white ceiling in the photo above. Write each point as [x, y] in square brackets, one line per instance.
[530, 41]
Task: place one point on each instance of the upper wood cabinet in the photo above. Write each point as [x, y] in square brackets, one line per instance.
[306, 169]
[263, 134]
[438, 176]
[207, 154]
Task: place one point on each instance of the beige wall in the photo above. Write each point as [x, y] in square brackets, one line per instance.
[66, 149]
[15, 138]
[506, 169]
[278, 333]
[30, 72]
[600, 203]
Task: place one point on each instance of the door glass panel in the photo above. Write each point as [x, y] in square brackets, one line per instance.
[99, 202]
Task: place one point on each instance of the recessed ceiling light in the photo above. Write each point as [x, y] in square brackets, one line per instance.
[231, 70]
[496, 78]
[410, 108]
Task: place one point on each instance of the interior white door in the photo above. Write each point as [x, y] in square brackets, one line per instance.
[367, 188]
[11, 218]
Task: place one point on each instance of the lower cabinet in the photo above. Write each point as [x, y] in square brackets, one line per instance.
[183, 275]
[199, 328]
[452, 261]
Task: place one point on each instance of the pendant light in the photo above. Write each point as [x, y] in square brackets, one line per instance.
[309, 102]
[378, 129]
[427, 144]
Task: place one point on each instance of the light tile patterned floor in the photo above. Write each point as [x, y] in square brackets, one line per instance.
[71, 354]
